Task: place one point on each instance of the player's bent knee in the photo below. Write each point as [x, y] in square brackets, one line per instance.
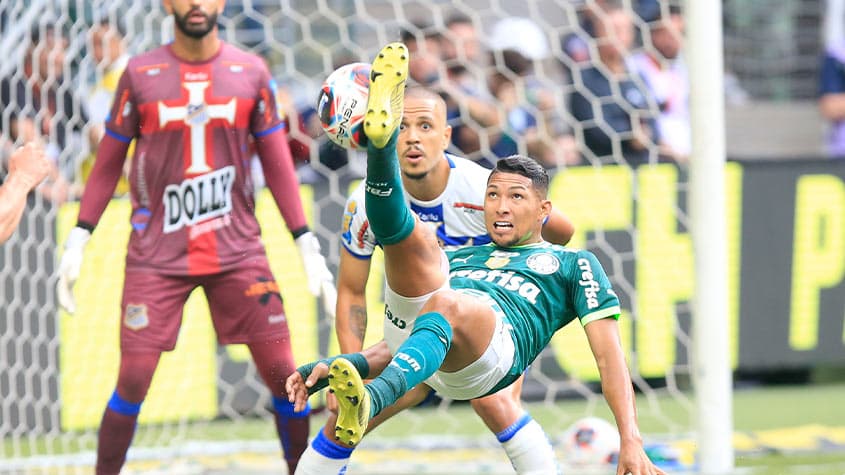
[446, 303]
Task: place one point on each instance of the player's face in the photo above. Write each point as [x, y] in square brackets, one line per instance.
[105, 44]
[615, 34]
[667, 36]
[195, 18]
[423, 136]
[513, 210]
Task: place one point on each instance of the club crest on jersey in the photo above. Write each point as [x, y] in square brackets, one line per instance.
[348, 215]
[499, 259]
[136, 317]
[543, 263]
[198, 199]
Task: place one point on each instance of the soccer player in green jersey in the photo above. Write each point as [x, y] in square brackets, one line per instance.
[470, 323]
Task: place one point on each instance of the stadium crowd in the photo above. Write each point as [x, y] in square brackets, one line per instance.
[504, 95]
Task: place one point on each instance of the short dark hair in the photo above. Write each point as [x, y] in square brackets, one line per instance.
[418, 30]
[115, 24]
[527, 167]
[457, 18]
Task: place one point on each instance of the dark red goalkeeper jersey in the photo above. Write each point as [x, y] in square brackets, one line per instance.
[191, 189]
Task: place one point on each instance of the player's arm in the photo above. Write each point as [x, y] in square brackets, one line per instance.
[351, 316]
[603, 336]
[831, 89]
[279, 172]
[598, 307]
[27, 167]
[558, 229]
[121, 127]
[277, 163]
[271, 143]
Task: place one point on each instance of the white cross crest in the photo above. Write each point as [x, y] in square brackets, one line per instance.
[196, 114]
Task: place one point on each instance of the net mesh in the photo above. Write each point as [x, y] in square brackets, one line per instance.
[520, 75]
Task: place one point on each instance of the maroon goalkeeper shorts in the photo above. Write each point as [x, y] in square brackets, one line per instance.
[245, 303]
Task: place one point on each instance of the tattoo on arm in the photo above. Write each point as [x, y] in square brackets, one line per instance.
[358, 321]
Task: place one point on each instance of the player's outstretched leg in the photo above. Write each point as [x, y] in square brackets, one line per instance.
[388, 74]
[389, 216]
[353, 401]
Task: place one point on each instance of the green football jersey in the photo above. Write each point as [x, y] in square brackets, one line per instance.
[540, 288]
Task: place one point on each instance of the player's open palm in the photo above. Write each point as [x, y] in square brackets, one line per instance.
[633, 460]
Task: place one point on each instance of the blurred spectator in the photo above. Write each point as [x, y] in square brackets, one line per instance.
[424, 44]
[522, 35]
[41, 105]
[662, 67]
[832, 96]
[108, 51]
[471, 109]
[532, 115]
[106, 44]
[608, 100]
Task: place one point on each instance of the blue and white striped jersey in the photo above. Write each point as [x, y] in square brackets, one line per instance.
[457, 215]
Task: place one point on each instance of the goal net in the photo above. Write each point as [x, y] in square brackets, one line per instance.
[538, 65]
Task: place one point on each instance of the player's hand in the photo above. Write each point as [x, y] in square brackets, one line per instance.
[633, 460]
[320, 278]
[30, 163]
[298, 386]
[69, 267]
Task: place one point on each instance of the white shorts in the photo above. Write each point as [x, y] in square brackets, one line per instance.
[483, 374]
[480, 376]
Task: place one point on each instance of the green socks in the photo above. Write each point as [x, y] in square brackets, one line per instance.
[414, 362]
[390, 218]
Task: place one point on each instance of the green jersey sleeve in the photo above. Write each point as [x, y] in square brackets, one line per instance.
[592, 295]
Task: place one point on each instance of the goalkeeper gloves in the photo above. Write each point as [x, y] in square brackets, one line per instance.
[70, 266]
[320, 278]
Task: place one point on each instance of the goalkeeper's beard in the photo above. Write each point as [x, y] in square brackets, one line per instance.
[191, 31]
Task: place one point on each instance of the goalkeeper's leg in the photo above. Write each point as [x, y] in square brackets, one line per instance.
[274, 361]
[121, 415]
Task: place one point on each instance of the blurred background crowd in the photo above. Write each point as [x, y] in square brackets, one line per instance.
[580, 82]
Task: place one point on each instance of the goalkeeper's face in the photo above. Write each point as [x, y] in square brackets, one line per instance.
[195, 18]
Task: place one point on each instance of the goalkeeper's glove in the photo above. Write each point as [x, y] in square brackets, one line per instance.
[70, 265]
[320, 278]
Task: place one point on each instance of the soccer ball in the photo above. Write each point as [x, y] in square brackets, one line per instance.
[343, 103]
[592, 442]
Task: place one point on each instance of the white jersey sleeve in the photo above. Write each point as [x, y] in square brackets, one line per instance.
[356, 235]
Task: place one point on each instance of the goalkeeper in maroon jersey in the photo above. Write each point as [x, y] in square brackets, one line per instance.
[192, 108]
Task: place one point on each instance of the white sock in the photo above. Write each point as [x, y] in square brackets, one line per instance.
[323, 457]
[528, 448]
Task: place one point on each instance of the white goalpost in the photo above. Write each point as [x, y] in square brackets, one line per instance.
[710, 355]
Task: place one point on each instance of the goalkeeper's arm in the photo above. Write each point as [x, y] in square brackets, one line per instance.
[107, 170]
